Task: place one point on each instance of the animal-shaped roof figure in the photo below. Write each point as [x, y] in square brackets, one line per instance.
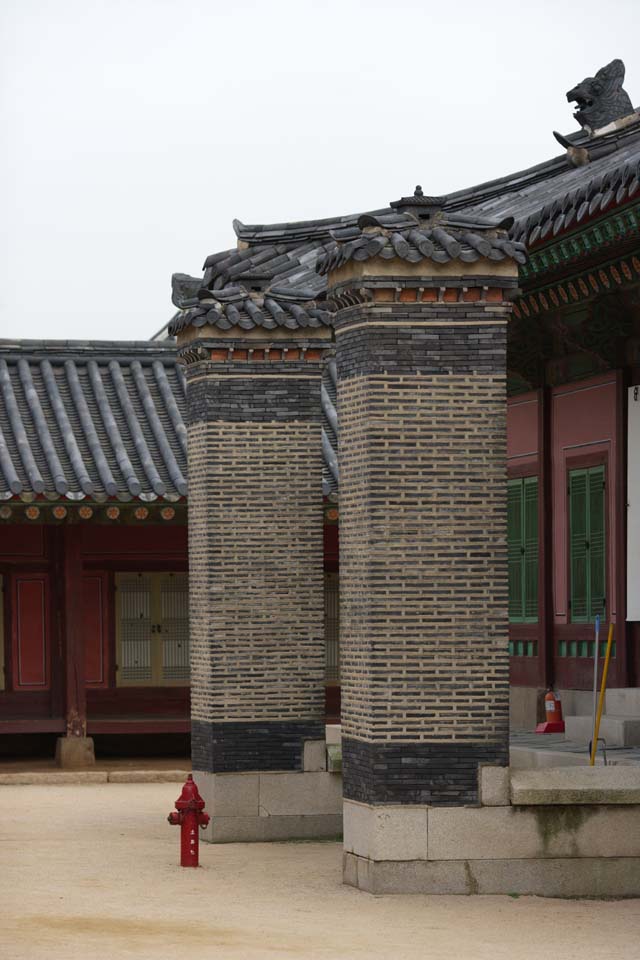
[601, 99]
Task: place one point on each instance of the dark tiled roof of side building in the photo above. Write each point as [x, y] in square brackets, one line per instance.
[105, 419]
[82, 419]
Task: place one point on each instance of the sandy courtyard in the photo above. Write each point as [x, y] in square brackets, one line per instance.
[91, 870]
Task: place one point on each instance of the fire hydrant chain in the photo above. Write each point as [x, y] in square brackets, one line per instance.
[189, 816]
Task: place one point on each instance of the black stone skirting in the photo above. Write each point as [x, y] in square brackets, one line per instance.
[440, 774]
[239, 747]
[251, 398]
[408, 351]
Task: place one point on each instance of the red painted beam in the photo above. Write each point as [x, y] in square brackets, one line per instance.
[164, 725]
[37, 725]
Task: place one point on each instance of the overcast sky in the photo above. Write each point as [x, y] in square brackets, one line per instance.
[136, 130]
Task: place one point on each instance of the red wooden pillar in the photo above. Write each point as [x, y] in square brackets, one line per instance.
[75, 749]
[625, 663]
[546, 650]
[75, 696]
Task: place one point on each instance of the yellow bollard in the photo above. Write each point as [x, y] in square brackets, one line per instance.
[603, 686]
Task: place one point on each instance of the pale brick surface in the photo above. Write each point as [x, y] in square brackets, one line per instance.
[422, 478]
[256, 583]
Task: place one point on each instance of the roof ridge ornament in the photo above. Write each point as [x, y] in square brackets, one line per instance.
[419, 205]
[601, 100]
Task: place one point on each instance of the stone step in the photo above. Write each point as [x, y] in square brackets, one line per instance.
[587, 785]
[615, 730]
[623, 700]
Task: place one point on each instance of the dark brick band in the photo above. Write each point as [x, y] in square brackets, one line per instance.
[422, 350]
[240, 747]
[255, 398]
[440, 774]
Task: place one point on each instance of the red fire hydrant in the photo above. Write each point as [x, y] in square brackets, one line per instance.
[190, 816]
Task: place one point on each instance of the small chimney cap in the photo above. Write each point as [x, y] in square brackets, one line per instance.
[419, 204]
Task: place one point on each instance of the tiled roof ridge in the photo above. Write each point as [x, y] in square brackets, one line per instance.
[144, 350]
[434, 240]
[297, 229]
[235, 306]
[599, 147]
[543, 201]
[546, 169]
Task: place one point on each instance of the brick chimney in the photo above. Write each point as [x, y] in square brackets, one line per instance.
[256, 558]
[422, 302]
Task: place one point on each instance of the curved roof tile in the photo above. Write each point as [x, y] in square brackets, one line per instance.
[235, 306]
[91, 420]
[114, 414]
[437, 241]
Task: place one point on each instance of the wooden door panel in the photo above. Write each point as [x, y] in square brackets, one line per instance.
[94, 625]
[30, 634]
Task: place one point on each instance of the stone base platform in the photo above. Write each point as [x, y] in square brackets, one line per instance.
[571, 832]
[554, 877]
[271, 805]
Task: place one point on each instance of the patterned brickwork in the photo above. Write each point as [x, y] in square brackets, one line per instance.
[256, 565]
[241, 747]
[425, 670]
[439, 774]
[264, 394]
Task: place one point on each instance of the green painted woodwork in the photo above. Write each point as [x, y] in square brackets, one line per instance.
[583, 241]
[586, 648]
[523, 648]
[522, 549]
[530, 543]
[587, 553]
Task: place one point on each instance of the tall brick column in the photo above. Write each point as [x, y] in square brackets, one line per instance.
[256, 572]
[421, 328]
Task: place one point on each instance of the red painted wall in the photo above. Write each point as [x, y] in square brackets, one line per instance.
[30, 561]
[22, 542]
[522, 432]
[154, 543]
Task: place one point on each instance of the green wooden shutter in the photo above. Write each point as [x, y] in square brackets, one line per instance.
[578, 506]
[587, 536]
[530, 543]
[514, 549]
[596, 540]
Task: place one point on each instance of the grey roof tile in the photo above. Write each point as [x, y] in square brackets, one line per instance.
[235, 306]
[83, 420]
[435, 239]
[114, 414]
[542, 201]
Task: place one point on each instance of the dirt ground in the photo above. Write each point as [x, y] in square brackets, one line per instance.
[91, 870]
